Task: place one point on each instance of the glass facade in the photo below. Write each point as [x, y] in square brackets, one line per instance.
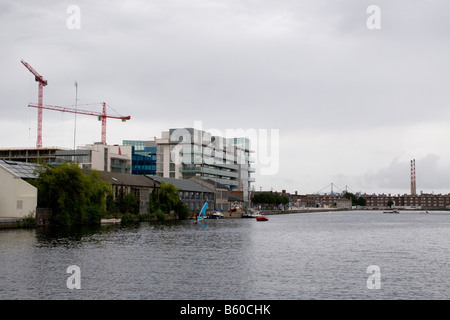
[143, 159]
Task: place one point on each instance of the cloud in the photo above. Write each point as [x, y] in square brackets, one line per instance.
[347, 99]
[431, 176]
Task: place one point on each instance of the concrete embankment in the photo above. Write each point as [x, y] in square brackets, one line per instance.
[6, 223]
[305, 210]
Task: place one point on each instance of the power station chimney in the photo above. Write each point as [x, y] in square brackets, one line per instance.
[413, 177]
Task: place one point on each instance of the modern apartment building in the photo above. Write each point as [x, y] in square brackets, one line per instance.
[98, 156]
[184, 153]
[143, 158]
[33, 155]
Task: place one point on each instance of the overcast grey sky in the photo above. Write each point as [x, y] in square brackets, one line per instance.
[352, 105]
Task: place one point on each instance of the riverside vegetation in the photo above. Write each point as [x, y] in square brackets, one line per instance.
[82, 198]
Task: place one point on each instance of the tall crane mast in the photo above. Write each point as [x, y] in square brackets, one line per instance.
[42, 82]
[102, 116]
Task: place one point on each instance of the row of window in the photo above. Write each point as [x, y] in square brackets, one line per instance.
[195, 195]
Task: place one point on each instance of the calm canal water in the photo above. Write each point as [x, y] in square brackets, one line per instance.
[293, 256]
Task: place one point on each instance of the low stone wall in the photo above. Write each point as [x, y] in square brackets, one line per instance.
[6, 223]
[269, 212]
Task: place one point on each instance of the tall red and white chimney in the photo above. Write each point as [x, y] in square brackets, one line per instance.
[413, 177]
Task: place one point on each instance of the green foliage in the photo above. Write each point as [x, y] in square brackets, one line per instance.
[269, 198]
[75, 198]
[124, 203]
[356, 201]
[160, 215]
[130, 204]
[361, 201]
[182, 210]
[165, 200]
[143, 216]
[28, 222]
[168, 197]
[128, 218]
[352, 197]
[111, 207]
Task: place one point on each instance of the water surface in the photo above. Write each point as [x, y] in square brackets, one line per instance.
[293, 256]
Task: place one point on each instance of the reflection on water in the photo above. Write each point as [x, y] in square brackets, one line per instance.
[296, 256]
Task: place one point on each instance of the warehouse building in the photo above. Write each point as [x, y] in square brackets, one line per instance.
[18, 198]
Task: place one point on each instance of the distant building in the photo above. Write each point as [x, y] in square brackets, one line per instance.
[221, 202]
[98, 156]
[18, 198]
[30, 154]
[143, 158]
[424, 201]
[184, 153]
[123, 184]
[343, 203]
[192, 193]
[328, 201]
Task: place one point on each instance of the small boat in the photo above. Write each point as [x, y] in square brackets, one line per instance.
[261, 218]
[216, 215]
[251, 214]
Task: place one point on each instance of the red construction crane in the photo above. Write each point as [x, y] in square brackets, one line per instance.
[101, 115]
[42, 83]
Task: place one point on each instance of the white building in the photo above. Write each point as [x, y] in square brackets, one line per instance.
[18, 198]
[187, 152]
[101, 157]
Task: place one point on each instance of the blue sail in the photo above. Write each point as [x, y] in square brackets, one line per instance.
[202, 213]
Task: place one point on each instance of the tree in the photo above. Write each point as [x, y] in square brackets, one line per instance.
[182, 210]
[352, 197]
[111, 206]
[390, 203]
[166, 199]
[125, 203]
[73, 196]
[269, 198]
[356, 201]
[361, 201]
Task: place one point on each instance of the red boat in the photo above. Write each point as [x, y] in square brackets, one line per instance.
[261, 218]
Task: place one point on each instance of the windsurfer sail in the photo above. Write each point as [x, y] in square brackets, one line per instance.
[202, 213]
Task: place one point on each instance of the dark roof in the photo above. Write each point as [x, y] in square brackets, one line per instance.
[128, 179]
[183, 184]
[24, 170]
[217, 184]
